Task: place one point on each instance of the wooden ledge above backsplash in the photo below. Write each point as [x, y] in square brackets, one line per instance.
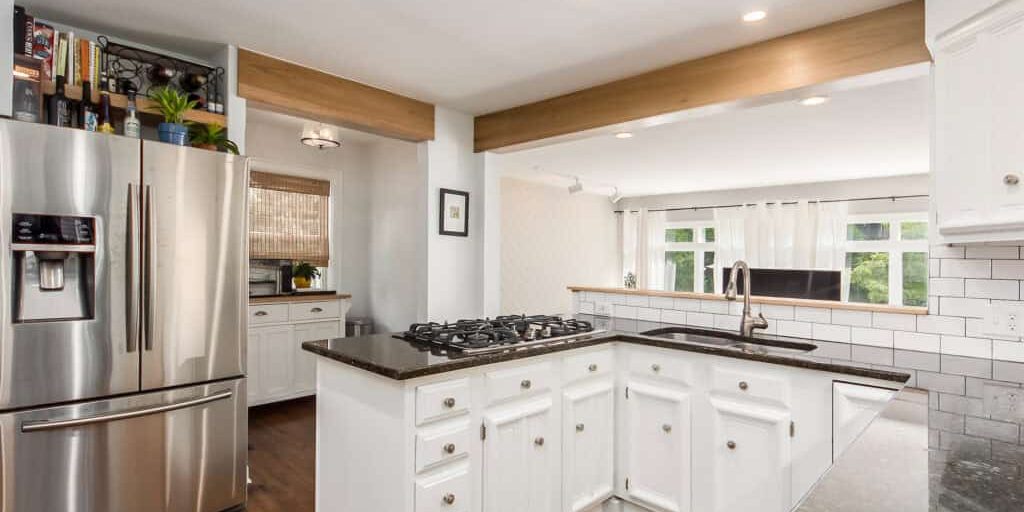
[280, 299]
[780, 301]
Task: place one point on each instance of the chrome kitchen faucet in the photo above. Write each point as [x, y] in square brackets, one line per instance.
[749, 322]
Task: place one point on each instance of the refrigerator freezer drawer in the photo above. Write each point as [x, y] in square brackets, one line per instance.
[178, 450]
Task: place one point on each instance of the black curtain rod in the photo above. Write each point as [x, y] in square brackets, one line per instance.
[695, 208]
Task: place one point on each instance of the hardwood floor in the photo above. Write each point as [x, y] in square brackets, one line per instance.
[282, 456]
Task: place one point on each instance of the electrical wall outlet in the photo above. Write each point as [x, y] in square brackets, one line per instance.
[1004, 321]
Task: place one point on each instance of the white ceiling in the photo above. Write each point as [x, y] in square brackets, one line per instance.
[296, 124]
[875, 131]
[472, 55]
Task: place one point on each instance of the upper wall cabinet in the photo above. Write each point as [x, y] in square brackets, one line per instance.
[978, 153]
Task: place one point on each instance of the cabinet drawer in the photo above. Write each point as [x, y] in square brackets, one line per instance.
[268, 314]
[580, 366]
[434, 447]
[518, 382]
[446, 493]
[314, 310]
[660, 364]
[751, 385]
[441, 400]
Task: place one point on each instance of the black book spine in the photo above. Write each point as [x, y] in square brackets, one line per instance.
[19, 28]
[29, 35]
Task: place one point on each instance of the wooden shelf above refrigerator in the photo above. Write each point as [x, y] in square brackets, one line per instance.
[120, 102]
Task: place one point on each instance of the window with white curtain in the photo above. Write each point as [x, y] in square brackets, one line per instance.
[689, 257]
[887, 259]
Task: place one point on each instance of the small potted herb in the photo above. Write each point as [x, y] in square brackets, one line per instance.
[172, 105]
[303, 274]
[211, 136]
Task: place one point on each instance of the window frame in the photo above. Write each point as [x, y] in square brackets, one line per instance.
[698, 247]
[895, 246]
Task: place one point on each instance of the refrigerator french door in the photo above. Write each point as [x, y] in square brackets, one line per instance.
[121, 328]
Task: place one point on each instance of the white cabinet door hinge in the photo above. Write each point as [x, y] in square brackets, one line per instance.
[792, 429]
[627, 392]
[483, 431]
[627, 484]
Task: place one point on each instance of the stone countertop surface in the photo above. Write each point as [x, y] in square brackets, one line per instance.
[285, 298]
[399, 359]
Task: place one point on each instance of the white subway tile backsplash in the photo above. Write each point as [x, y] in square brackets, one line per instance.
[648, 314]
[934, 267]
[715, 306]
[620, 311]
[946, 286]
[727, 322]
[894, 321]
[700, 319]
[829, 332]
[873, 337]
[1008, 350]
[816, 315]
[966, 268]
[671, 316]
[847, 317]
[794, 329]
[946, 251]
[1008, 269]
[969, 347]
[916, 341]
[933, 305]
[935, 324]
[663, 302]
[586, 307]
[638, 300]
[992, 252]
[778, 312]
[687, 304]
[957, 306]
[992, 289]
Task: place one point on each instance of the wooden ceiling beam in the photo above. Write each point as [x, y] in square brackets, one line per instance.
[871, 42]
[292, 89]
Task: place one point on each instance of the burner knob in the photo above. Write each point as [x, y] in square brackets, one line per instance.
[525, 384]
[449, 448]
[449, 402]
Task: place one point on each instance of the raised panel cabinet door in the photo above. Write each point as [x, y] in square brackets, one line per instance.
[853, 408]
[658, 439]
[305, 362]
[252, 364]
[751, 457]
[275, 366]
[1004, 42]
[520, 463]
[588, 441]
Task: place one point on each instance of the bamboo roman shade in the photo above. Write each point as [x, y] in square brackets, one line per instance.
[288, 218]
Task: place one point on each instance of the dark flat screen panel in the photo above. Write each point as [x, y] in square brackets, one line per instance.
[793, 284]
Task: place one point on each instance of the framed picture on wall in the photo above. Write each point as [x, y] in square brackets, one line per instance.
[454, 219]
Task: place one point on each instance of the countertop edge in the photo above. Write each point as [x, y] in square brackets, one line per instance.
[289, 299]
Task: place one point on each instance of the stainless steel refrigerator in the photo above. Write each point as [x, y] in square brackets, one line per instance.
[122, 320]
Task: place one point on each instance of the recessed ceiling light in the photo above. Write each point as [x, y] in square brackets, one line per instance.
[754, 16]
[624, 135]
[812, 101]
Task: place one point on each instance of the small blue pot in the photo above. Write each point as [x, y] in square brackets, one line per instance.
[173, 133]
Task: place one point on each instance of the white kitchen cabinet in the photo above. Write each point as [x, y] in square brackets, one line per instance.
[521, 458]
[657, 446]
[751, 460]
[305, 362]
[978, 153]
[274, 359]
[853, 408]
[588, 440]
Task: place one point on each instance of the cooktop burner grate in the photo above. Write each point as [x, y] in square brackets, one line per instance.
[500, 333]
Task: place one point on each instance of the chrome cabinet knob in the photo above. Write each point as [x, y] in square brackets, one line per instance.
[731, 445]
[1011, 179]
[592, 367]
[316, 310]
[667, 428]
[539, 441]
[579, 427]
[525, 384]
[260, 313]
[448, 499]
[655, 367]
[449, 402]
[744, 385]
[449, 448]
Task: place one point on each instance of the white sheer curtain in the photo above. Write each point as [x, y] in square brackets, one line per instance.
[629, 236]
[775, 235]
[643, 248]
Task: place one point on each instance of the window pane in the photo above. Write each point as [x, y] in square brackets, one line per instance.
[915, 279]
[914, 230]
[679, 271]
[868, 231]
[679, 235]
[709, 234]
[869, 276]
[709, 272]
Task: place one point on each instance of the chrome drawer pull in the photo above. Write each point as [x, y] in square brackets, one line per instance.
[525, 384]
[592, 367]
[449, 448]
[744, 385]
[260, 313]
[448, 499]
[655, 367]
[449, 402]
[579, 427]
[316, 310]
[731, 445]
[539, 441]
[667, 428]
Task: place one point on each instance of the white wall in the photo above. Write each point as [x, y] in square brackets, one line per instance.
[455, 264]
[551, 240]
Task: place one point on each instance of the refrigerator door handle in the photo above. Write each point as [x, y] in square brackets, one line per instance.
[149, 244]
[36, 426]
[132, 270]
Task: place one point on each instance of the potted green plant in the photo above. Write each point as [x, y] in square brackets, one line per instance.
[173, 105]
[303, 274]
[211, 136]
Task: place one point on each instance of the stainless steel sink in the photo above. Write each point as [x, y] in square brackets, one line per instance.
[750, 345]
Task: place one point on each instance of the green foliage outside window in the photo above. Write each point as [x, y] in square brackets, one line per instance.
[683, 262]
[679, 235]
[869, 277]
[915, 279]
[914, 230]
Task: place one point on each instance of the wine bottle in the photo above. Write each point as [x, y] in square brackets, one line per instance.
[88, 118]
[106, 124]
[132, 126]
[59, 106]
